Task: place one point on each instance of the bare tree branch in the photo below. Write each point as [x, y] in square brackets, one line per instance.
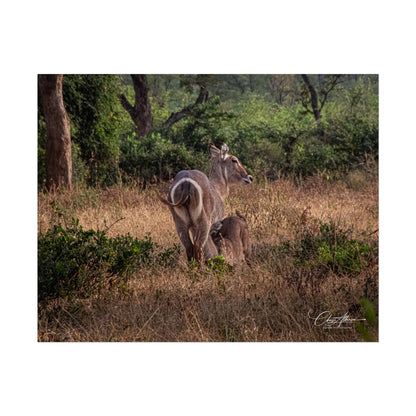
[107, 227]
[126, 105]
[318, 99]
[332, 83]
[175, 117]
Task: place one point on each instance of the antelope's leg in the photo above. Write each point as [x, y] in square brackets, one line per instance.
[183, 233]
[210, 249]
[204, 247]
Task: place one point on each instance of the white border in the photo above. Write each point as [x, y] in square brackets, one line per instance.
[214, 37]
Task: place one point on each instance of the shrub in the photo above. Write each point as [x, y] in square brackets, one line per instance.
[79, 167]
[208, 123]
[331, 248]
[314, 157]
[352, 125]
[154, 157]
[73, 260]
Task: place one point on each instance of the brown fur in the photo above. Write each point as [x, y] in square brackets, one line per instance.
[197, 201]
[232, 240]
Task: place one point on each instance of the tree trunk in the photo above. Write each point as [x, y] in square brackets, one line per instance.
[141, 113]
[58, 135]
[251, 82]
[314, 98]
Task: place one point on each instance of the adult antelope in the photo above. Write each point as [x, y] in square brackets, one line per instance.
[197, 201]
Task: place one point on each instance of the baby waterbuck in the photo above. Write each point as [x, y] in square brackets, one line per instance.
[232, 239]
[197, 201]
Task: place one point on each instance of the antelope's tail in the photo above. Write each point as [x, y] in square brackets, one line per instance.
[184, 196]
[164, 200]
[240, 216]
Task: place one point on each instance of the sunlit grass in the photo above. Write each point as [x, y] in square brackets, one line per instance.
[268, 301]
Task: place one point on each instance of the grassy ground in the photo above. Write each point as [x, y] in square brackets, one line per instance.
[268, 301]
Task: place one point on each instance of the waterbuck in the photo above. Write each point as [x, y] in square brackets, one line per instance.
[232, 239]
[197, 201]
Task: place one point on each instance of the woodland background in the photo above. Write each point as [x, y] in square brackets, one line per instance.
[278, 125]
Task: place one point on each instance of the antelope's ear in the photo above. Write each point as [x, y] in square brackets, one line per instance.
[214, 151]
[216, 227]
[224, 151]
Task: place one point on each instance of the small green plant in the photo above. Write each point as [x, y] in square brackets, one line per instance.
[219, 266]
[216, 266]
[366, 329]
[228, 333]
[193, 270]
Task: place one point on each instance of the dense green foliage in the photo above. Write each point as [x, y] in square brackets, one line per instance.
[156, 158]
[73, 260]
[332, 248]
[262, 118]
[92, 106]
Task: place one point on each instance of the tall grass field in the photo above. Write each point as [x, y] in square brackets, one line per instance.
[111, 267]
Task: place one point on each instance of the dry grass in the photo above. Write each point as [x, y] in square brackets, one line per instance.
[268, 301]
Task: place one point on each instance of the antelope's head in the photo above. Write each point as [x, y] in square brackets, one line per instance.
[228, 166]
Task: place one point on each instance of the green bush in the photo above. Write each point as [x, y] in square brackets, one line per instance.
[73, 260]
[79, 167]
[272, 139]
[330, 249]
[313, 157]
[154, 157]
[208, 123]
[352, 125]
